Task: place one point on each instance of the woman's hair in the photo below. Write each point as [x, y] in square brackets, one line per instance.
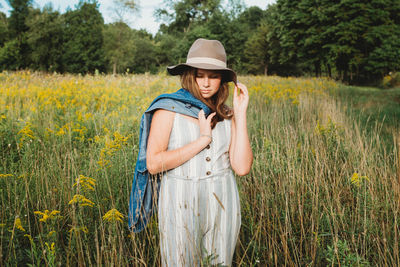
[217, 102]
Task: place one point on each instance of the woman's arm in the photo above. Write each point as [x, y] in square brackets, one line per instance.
[240, 154]
[158, 158]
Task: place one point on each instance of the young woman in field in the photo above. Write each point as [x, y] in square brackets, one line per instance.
[194, 142]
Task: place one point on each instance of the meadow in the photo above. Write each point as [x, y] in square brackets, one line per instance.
[323, 190]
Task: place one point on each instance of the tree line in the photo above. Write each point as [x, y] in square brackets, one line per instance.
[354, 41]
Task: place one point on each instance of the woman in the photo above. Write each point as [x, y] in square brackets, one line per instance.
[199, 208]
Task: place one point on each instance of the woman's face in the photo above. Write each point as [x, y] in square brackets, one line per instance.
[208, 82]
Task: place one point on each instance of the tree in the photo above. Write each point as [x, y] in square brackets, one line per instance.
[17, 29]
[358, 38]
[144, 59]
[17, 20]
[9, 55]
[186, 13]
[364, 43]
[118, 45]
[83, 48]
[3, 29]
[166, 46]
[123, 7]
[385, 57]
[256, 50]
[237, 33]
[45, 37]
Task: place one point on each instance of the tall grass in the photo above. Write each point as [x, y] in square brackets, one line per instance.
[322, 190]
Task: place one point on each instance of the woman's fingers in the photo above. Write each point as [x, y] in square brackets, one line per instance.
[201, 115]
[235, 93]
[243, 88]
[209, 118]
[205, 123]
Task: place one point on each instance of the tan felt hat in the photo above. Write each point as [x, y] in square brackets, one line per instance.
[205, 54]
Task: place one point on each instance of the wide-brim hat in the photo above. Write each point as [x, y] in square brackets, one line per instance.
[205, 54]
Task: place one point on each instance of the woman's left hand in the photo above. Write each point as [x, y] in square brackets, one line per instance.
[240, 100]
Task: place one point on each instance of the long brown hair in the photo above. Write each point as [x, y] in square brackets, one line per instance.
[217, 102]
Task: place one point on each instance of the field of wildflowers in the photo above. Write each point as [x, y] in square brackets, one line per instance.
[322, 191]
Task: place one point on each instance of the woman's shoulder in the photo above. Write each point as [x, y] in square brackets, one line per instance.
[163, 115]
[164, 112]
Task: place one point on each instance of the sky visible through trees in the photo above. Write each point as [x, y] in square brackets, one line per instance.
[143, 20]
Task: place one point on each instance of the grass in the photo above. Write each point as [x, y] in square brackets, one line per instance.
[323, 190]
[373, 105]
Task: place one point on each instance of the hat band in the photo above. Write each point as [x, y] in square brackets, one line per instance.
[207, 60]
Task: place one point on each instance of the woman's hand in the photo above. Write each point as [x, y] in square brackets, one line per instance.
[159, 158]
[205, 124]
[240, 100]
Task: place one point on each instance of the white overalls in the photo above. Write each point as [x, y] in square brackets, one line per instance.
[199, 208]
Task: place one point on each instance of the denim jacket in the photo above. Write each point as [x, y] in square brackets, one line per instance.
[141, 204]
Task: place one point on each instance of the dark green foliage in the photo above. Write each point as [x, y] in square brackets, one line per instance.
[9, 55]
[17, 29]
[351, 40]
[3, 29]
[187, 13]
[45, 38]
[118, 45]
[358, 39]
[256, 52]
[165, 42]
[144, 58]
[83, 48]
[17, 20]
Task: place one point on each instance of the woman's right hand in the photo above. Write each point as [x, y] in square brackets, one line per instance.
[205, 124]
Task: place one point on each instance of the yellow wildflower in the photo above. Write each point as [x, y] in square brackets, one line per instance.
[5, 175]
[97, 139]
[47, 215]
[111, 146]
[81, 200]
[113, 216]
[51, 247]
[26, 132]
[18, 224]
[76, 229]
[51, 233]
[60, 132]
[356, 179]
[29, 237]
[86, 183]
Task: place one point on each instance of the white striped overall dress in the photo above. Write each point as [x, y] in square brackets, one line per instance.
[199, 208]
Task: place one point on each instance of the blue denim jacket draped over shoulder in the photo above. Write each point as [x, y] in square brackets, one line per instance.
[141, 202]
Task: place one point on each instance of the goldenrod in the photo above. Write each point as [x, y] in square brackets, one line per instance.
[85, 183]
[47, 215]
[77, 229]
[18, 224]
[356, 179]
[113, 216]
[81, 200]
